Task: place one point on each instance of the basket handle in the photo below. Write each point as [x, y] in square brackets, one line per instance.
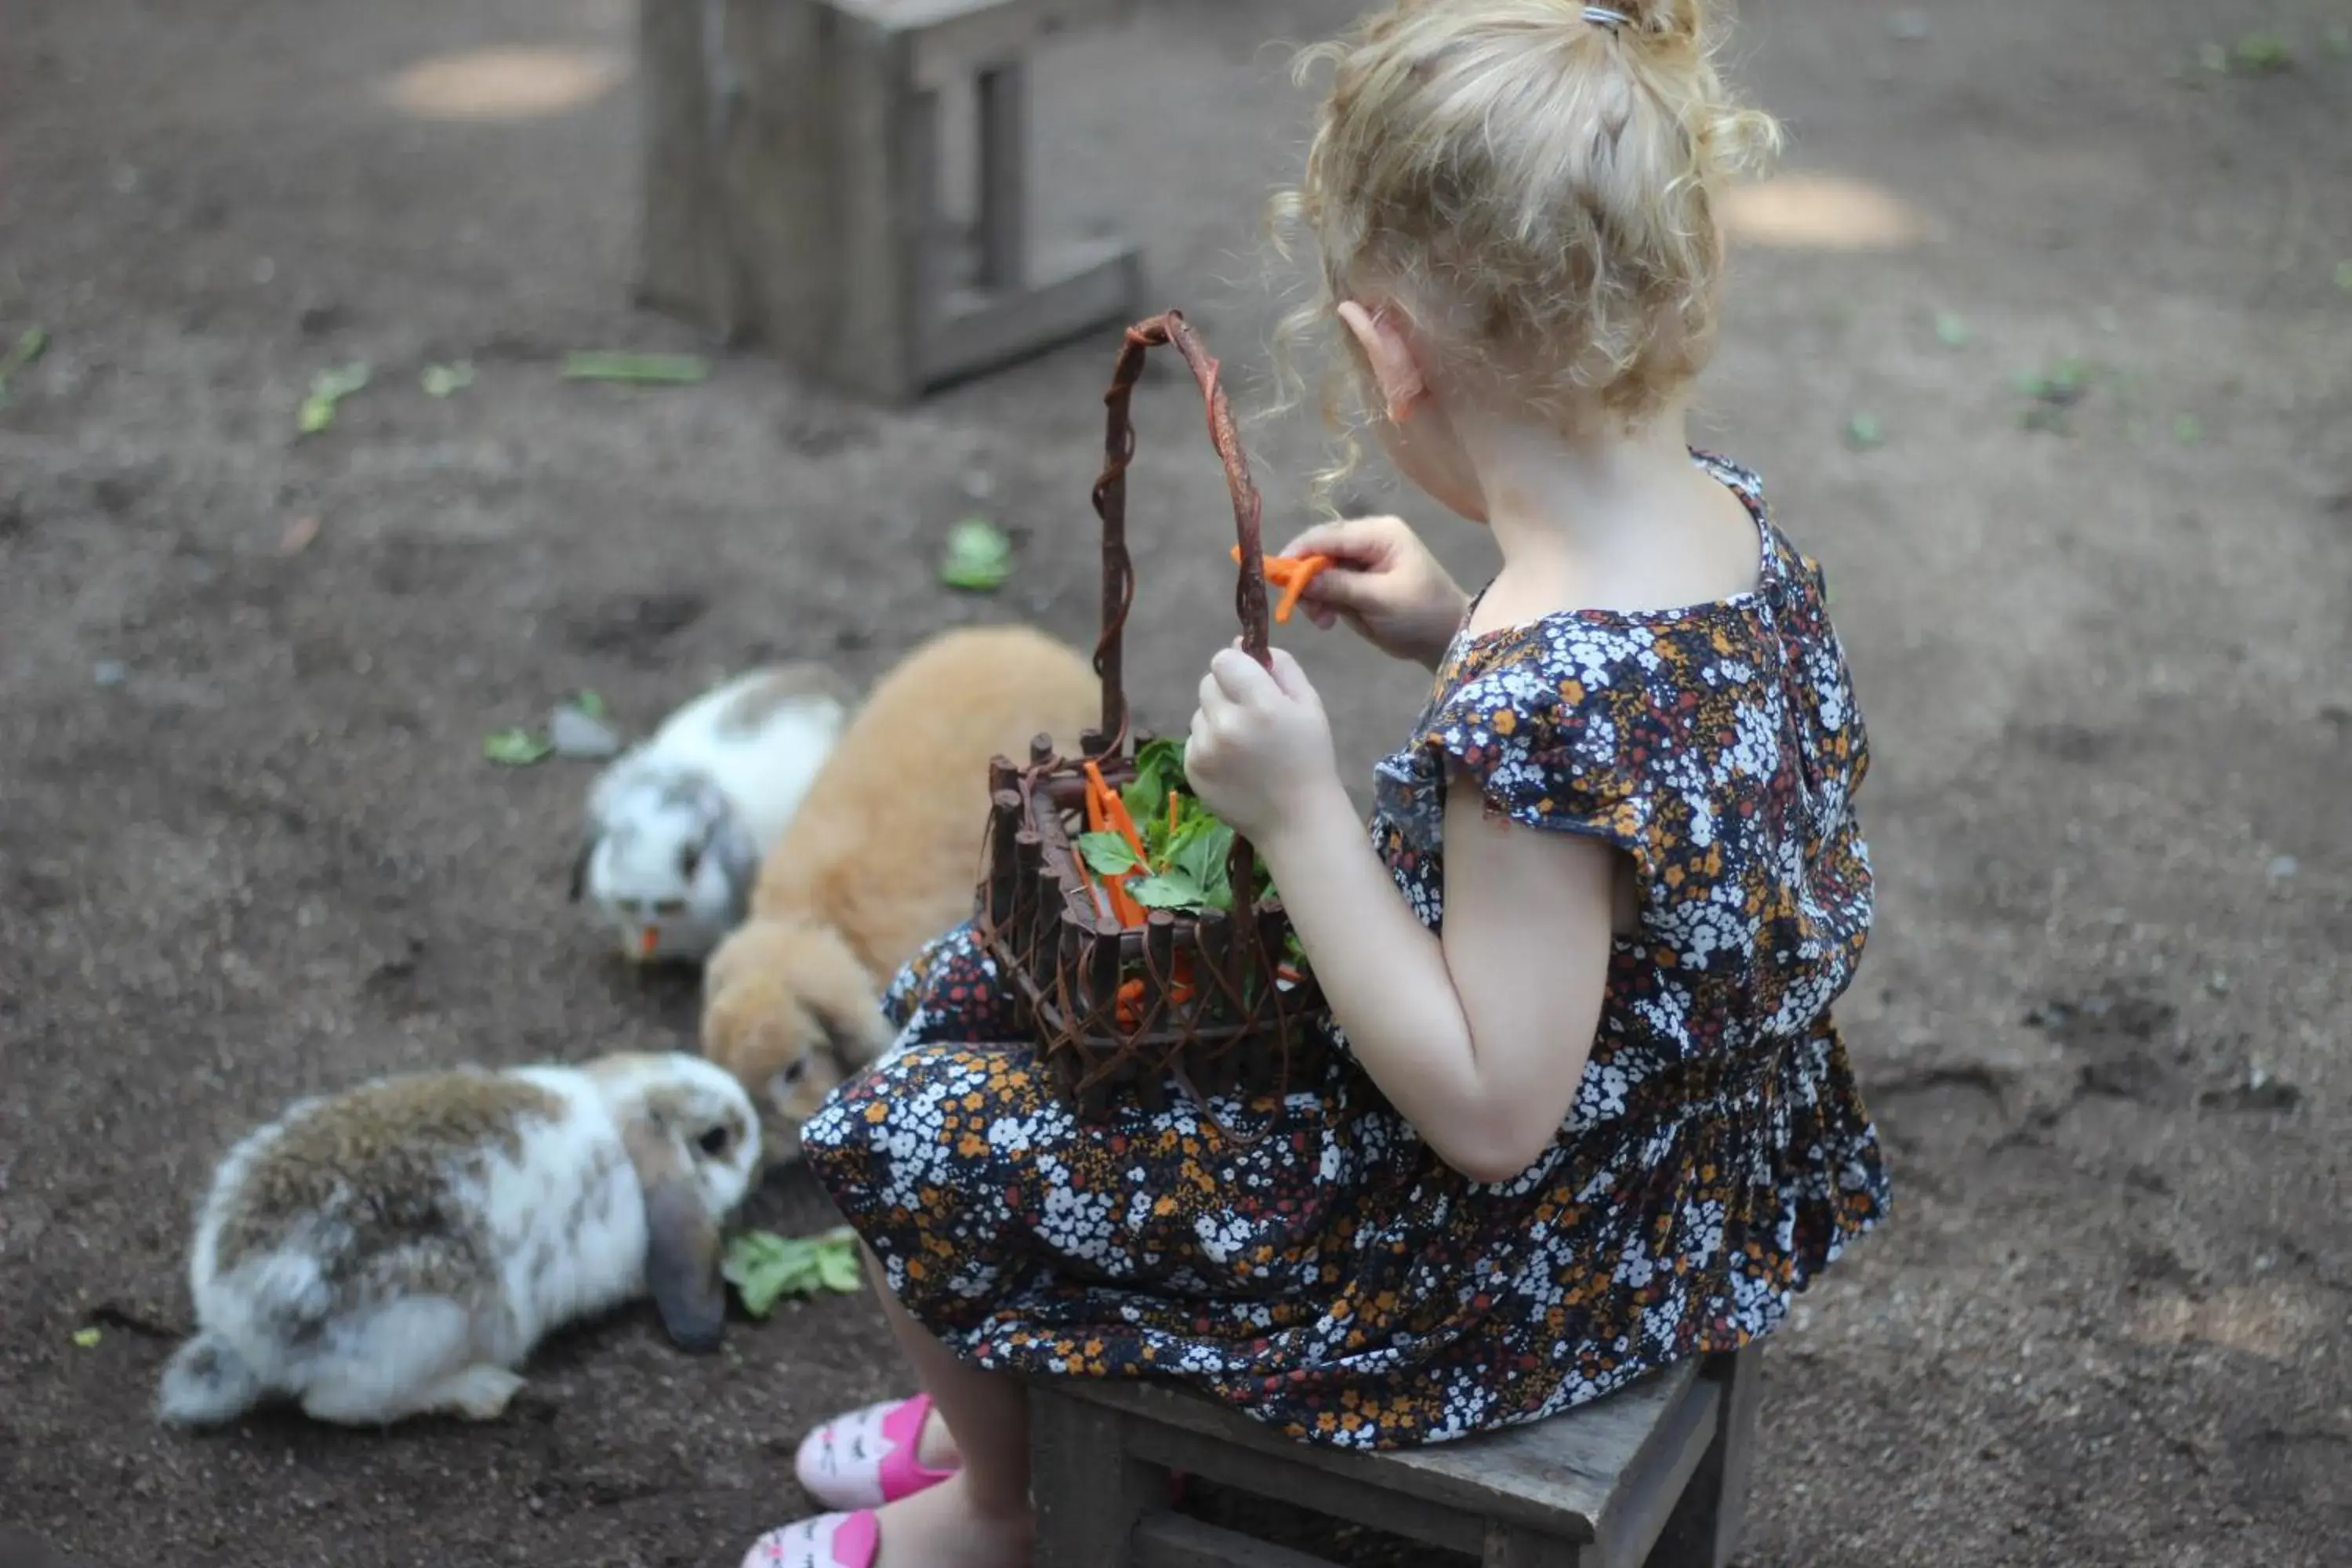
[1111, 505]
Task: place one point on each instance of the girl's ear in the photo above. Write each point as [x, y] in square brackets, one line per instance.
[1396, 369]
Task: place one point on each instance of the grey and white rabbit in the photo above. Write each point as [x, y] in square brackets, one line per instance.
[677, 825]
[399, 1249]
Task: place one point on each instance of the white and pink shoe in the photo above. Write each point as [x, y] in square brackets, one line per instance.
[868, 1457]
[829, 1541]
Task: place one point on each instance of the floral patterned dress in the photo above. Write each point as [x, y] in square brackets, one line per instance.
[1334, 1277]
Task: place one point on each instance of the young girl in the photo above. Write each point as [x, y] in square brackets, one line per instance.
[1585, 1112]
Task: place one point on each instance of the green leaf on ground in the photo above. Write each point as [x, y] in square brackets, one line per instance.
[1863, 432]
[643, 370]
[1950, 330]
[2064, 382]
[30, 345]
[977, 557]
[2260, 53]
[441, 380]
[516, 748]
[765, 1268]
[88, 1338]
[2188, 429]
[327, 388]
[590, 703]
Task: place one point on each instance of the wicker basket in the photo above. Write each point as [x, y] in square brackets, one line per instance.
[1217, 1013]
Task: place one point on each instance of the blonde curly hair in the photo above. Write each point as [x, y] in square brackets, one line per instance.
[1535, 187]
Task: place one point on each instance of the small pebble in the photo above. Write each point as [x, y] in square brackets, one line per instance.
[580, 735]
[2285, 868]
[110, 672]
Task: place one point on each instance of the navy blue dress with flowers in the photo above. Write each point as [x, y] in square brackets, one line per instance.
[1334, 1277]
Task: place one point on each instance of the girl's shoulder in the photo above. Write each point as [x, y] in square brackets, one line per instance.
[1581, 717]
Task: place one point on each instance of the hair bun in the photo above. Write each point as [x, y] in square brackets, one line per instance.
[1683, 21]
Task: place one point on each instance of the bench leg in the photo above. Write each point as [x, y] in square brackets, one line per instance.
[1508, 1546]
[1704, 1530]
[1089, 1492]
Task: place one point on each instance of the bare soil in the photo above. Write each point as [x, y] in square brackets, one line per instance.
[249, 846]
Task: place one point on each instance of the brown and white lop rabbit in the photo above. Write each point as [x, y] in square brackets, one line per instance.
[883, 854]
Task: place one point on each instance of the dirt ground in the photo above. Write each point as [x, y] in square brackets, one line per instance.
[249, 846]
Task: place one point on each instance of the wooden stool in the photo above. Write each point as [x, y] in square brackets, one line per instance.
[792, 161]
[1655, 1475]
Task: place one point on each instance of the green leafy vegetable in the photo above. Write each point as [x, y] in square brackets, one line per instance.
[590, 703]
[1951, 331]
[764, 1267]
[978, 558]
[88, 1338]
[1173, 890]
[1159, 769]
[643, 370]
[1106, 854]
[1199, 849]
[441, 380]
[516, 748]
[327, 388]
[1183, 867]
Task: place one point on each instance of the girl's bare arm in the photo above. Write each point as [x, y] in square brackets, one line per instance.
[1478, 1038]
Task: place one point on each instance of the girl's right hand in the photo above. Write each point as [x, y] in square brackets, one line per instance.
[1384, 582]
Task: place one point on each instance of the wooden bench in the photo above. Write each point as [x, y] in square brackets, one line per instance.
[1654, 1475]
[794, 175]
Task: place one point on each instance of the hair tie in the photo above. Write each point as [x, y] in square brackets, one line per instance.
[1602, 17]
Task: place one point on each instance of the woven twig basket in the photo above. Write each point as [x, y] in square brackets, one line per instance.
[1238, 1025]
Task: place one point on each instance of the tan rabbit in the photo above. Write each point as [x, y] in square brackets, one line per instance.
[883, 856]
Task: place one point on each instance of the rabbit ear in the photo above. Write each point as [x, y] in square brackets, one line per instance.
[738, 857]
[681, 1242]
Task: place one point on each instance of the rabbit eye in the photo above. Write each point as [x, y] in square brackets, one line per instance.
[689, 861]
[670, 907]
[797, 1072]
[715, 1142]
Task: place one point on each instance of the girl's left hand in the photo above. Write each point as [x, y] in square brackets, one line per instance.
[1261, 746]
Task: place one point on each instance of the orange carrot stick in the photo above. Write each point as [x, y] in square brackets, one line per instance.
[1095, 793]
[1117, 808]
[1291, 574]
[1122, 907]
[1308, 570]
[1171, 811]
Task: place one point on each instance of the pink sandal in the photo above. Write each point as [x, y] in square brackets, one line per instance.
[868, 1457]
[829, 1541]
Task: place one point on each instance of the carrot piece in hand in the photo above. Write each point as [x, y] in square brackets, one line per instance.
[1291, 574]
